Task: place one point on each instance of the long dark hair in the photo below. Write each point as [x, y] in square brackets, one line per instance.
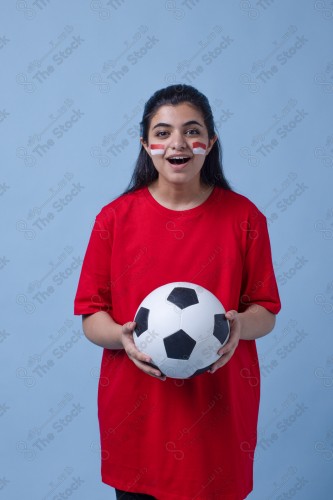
[212, 171]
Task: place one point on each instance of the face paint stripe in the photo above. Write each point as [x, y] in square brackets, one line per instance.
[199, 148]
[157, 149]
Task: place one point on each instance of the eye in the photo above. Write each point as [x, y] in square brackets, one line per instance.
[193, 131]
[161, 133]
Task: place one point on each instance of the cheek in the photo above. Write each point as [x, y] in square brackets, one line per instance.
[199, 148]
[157, 161]
[157, 149]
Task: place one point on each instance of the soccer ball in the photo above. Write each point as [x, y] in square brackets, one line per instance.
[181, 326]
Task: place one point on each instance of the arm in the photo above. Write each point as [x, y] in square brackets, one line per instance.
[103, 331]
[251, 324]
[255, 322]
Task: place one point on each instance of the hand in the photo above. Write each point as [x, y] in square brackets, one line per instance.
[140, 359]
[227, 351]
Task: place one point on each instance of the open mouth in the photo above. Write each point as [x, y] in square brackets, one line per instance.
[179, 160]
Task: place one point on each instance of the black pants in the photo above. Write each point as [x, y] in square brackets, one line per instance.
[124, 495]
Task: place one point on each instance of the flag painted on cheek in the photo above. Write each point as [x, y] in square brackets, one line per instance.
[157, 149]
[199, 148]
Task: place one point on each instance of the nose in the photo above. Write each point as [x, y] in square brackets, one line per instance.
[178, 141]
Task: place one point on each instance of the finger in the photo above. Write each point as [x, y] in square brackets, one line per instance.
[150, 369]
[133, 352]
[230, 346]
[139, 358]
[129, 345]
[221, 362]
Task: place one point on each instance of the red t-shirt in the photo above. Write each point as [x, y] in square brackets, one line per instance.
[178, 439]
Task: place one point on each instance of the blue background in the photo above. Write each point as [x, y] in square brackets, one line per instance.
[75, 76]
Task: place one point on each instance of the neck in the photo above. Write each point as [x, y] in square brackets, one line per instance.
[179, 196]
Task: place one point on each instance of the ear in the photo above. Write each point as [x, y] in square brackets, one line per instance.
[211, 144]
[145, 145]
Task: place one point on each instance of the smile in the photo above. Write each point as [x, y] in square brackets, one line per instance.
[178, 160]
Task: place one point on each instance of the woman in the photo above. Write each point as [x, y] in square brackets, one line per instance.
[179, 220]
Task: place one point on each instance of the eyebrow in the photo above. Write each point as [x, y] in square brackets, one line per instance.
[191, 122]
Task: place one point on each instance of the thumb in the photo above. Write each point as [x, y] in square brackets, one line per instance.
[129, 327]
[230, 315]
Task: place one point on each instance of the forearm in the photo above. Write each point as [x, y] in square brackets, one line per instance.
[256, 322]
[102, 330]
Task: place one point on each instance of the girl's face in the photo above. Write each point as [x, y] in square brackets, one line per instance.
[178, 143]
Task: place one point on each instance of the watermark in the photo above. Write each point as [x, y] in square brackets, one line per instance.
[40, 70]
[254, 9]
[324, 299]
[43, 141]
[41, 216]
[3, 482]
[176, 232]
[106, 8]
[325, 8]
[325, 225]
[268, 141]
[264, 70]
[4, 408]
[284, 195]
[210, 48]
[3, 188]
[40, 290]
[115, 70]
[324, 447]
[288, 485]
[64, 485]
[325, 373]
[284, 417]
[128, 414]
[114, 144]
[4, 261]
[210, 479]
[175, 8]
[221, 113]
[324, 78]
[268, 359]
[4, 114]
[59, 419]
[289, 255]
[281, 483]
[139, 475]
[4, 41]
[32, 8]
[284, 344]
[4, 335]
[324, 153]
[39, 364]
[208, 261]
[186, 437]
[288, 274]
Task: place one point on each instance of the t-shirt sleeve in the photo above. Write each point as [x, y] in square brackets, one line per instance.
[94, 287]
[258, 282]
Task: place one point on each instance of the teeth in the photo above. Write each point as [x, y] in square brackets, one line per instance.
[178, 160]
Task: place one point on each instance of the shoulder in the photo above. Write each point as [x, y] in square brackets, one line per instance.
[238, 204]
[121, 205]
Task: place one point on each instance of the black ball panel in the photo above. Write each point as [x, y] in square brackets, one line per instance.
[141, 320]
[221, 328]
[183, 297]
[179, 345]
